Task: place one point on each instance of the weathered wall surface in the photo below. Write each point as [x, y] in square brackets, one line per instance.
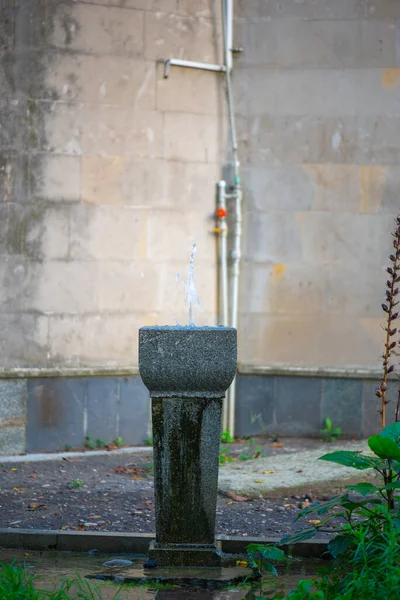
[107, 174]
[318, 113]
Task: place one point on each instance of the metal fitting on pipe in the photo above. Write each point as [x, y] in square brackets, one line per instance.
[191, 64]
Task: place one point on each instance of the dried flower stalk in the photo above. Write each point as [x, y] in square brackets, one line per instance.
[391, 315]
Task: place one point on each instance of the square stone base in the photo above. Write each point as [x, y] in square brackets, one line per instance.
[186, 555]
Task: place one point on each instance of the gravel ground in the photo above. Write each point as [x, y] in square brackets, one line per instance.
[115, 492]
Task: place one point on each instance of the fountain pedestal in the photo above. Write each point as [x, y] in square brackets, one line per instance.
[187, 371]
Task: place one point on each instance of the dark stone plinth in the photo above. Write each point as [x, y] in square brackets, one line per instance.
[186, 455]
[187, 370]
[180, 555]
[187, 361]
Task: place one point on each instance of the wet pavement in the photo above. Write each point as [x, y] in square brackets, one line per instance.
[51, 568]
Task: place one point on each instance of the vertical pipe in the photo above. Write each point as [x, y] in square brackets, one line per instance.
[229, 34]
[236, 255]
[223, 252]
[222, 230]
[227, 24]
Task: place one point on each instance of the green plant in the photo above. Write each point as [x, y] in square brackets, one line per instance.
[149, 441]
[388, 308]
[67, 448]
[226, 437]
[366, 547]
[101, 443]
[329, 432]
[90, 443]
[119, 442]
[262, 557]
[77, 483]
[304, 591]
[17, 583]
[252, 451]
[224, 456]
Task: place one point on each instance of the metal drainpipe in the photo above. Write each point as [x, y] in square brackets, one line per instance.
[227, 23]
[222, 231]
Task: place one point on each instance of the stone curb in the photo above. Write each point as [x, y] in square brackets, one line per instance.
[60, 455]
[110, 542]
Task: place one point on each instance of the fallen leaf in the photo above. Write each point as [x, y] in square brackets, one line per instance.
[14, 469]
[237, 498]
[35, 506]
[314, 521]
[268, 472]
[288, 505]
[259, 481]
[147, 503]
[277, 445]
[80, 527]
[299, 471]
[34, 476]
[230, 502]
[135, 478]
[127, 471]
[64, 527]
[17, 489]
[242, 563]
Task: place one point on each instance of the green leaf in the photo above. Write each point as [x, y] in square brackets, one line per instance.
[384, 447]
[272, 553]
[395, 485]
[322, 507]
[328, 423]
[298, 536]
[339, 544]
[266, 551]
[349, 459]
[392, 432]
[363, 488]
[269, 567]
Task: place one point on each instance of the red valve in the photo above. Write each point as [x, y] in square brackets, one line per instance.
[221, 212]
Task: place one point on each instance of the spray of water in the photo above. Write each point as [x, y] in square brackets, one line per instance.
[192, 299]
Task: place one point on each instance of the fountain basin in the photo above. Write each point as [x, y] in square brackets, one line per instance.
[187, 362]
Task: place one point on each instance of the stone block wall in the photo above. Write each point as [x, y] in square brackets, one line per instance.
[108, 173]
[318, 110]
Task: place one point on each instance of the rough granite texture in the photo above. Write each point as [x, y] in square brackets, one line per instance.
[187, 371]
[187, 361]
[185, 556]
[186, 446]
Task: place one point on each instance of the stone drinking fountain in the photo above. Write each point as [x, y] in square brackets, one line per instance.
[187, 371]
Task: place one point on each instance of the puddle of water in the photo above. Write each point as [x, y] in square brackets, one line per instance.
[54, 567]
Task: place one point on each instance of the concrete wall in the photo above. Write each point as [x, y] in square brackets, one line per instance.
[317, 90]
[108, 172]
